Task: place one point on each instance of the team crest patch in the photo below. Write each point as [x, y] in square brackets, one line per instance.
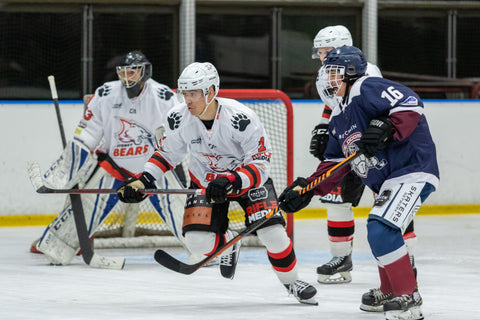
[240, 121]
[174, 120]
[410, 101]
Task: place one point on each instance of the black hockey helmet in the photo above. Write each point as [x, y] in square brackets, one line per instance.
[127, 71]
[351, 58]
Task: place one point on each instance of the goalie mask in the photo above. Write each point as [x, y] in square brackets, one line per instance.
[201, 76]
[342, 65]
[134, 70]
[333, 36]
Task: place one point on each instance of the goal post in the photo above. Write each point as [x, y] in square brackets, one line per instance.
[139, 226]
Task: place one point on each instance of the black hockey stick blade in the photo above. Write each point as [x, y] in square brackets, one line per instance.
[176, 265]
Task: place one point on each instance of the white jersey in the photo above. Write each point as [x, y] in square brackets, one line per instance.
[237, 141]
[127, 125]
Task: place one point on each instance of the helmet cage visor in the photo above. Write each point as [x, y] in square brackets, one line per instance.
[131, 75]
[329, 81]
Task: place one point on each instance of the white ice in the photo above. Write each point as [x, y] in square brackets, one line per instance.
[447, 258]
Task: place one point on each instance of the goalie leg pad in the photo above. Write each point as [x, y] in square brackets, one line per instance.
[75, 166]
[60, 241]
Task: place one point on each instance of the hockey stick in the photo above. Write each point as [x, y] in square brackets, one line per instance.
[35, 175]
[90, 257]
[176, 265]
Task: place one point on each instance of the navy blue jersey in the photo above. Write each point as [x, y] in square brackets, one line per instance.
[407, 158]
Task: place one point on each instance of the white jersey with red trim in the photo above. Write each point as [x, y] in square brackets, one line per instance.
[127, 125]
[237, 141]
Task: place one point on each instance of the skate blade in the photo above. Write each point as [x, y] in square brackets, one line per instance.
[414, 313]
[310, 301]
[337, 278]
[368, 308]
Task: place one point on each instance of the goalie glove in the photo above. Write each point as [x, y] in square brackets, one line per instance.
[291, 201]
[319, 141]
[376, 136]
[219, 188]
[129, 193]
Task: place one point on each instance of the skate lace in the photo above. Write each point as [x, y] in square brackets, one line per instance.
[297, 287]
[335, 261]
[226, 260]
[403, 299]
[378, 294]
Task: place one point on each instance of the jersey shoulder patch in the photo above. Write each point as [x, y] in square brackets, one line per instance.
[165, 93]
[104, 90]
[240, 121]
[174, 119]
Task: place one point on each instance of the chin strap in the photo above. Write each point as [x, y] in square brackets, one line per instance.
[208, 104]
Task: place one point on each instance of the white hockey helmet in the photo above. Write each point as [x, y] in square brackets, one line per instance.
[199, 75]
[333, 36]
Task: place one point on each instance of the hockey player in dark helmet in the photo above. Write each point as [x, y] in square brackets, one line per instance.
[385, 122]
[133, 71]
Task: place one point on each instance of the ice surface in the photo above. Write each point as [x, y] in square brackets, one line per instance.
[447, 257]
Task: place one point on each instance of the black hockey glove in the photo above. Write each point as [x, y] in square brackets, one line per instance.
[291, 201]
[128, 192]
[376, 136]
[219, 188]
[319, 141]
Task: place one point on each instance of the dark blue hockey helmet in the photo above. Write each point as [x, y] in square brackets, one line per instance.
[351, 58]
[126, 70]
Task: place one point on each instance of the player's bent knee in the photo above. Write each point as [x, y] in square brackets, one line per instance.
[382, 238]
[200, 242]
[274, 238]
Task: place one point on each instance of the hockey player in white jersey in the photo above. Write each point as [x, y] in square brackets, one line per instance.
[230, 156]
[111, 143]
[339, 202]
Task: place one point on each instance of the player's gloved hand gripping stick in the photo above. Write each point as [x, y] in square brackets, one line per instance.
[172, 263]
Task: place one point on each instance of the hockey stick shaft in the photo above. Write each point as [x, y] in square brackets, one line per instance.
[172, 263]
[88, 254]
[45, 189]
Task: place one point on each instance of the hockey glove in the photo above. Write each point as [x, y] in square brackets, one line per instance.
[291, 201]
[129, 193]
[376, 136]
[319, 141]
[219, 188]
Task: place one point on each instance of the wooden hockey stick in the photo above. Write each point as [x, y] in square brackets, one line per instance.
[176, 265]
[88, 255]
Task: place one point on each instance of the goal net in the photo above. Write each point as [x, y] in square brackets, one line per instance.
[138, 225]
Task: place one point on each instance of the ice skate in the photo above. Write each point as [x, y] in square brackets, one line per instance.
[303, 291]
[228, 261]
[374, 300]
[405, 307]
[337, 270]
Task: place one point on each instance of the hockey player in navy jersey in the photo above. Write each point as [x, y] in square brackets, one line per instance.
[384, 121]
[230, 155]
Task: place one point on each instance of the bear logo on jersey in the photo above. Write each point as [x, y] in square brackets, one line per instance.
[174, 120]
[240, 121]
[133, 132]
[165, 94]
[104, 90]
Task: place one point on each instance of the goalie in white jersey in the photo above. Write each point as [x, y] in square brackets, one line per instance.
[112, 142]
[230, 156]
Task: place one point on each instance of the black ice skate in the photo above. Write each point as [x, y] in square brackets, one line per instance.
[405, 307]
[374, 300]
[303, 291]
[337, 270]
[228, 262]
